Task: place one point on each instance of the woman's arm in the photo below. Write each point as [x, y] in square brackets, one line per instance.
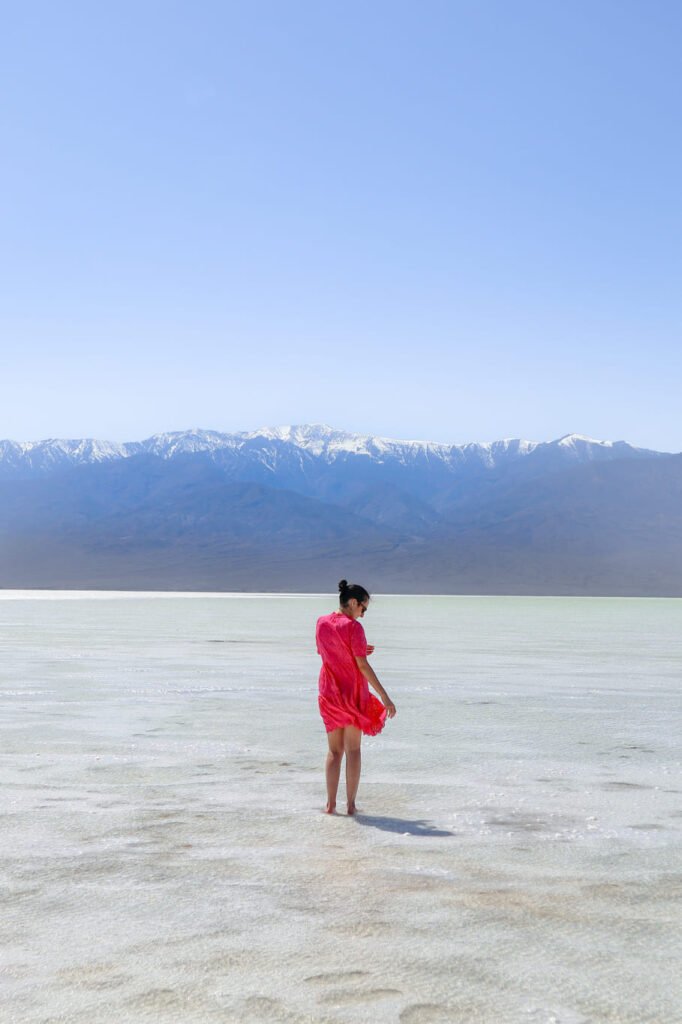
[371, 677]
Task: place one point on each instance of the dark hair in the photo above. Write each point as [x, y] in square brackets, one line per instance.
[348, 591]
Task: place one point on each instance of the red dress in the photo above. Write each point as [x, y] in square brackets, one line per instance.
[344, 694]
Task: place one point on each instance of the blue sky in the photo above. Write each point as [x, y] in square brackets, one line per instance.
[452, 221]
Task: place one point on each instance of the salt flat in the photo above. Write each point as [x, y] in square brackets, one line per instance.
[164, 856]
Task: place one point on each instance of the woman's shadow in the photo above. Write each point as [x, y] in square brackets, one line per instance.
[402, 826]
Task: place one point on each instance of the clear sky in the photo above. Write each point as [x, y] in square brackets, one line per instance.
[453, 221]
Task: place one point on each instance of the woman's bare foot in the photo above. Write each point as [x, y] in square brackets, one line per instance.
[330, 808]
[351, 808]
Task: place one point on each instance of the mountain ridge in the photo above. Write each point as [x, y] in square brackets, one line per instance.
[313, 440]
[292, 508]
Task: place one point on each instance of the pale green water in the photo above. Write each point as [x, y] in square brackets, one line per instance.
[164, 857]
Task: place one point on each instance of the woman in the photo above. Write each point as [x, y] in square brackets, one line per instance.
[347, 707]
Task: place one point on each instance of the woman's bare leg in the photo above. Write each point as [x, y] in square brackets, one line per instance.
[352, 739]
[333, 767]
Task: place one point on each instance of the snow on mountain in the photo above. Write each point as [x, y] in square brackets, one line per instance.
[319, 439]
[43, 456]
[299, 445]
[579, 448]
[186, 442]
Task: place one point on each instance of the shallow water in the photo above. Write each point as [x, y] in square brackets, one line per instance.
[164, 857]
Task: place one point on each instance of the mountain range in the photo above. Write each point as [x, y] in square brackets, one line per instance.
[296, 508]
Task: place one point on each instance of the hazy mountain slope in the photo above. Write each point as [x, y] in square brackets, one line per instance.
[155, 523]
[603, 528]
[297, 508]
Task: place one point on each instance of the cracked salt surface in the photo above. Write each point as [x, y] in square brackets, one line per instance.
[164, 857]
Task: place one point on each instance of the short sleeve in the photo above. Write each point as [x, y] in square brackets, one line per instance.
[358, 640]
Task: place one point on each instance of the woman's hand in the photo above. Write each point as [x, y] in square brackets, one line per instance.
[370, 648]
[390, 708]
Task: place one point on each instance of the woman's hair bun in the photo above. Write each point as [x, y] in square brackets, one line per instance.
[349, 591]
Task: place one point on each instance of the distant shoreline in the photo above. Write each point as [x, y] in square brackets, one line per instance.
[73, 593]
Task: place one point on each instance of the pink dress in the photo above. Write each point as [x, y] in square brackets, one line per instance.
[344, 693]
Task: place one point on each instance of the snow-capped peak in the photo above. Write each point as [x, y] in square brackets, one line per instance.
[315, 437]
[572, 440]
[184, 441]
[273, 447]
